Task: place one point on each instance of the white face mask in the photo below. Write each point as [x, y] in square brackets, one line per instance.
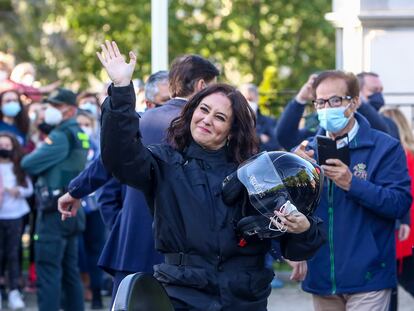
[87, 130]
[53, 116]
[91, 107]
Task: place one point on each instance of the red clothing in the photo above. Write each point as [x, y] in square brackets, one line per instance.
[31, 92]
[405, 248]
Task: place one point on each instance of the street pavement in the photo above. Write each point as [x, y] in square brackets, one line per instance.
[292, 298]
[288, 298]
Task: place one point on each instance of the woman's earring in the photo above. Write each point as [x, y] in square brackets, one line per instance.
[228, 141]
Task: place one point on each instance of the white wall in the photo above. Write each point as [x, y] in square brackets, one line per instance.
[378, 36]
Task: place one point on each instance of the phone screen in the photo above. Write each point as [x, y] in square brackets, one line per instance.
[332, 149]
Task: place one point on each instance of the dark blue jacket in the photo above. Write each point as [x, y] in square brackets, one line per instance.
[5, 127]
[289, 135]
[89, 180]
[155, 122]
[130, 245]
[360, 255]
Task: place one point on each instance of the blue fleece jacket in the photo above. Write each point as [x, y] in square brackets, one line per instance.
[360, 255]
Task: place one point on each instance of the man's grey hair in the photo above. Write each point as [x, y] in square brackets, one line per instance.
[249, 88]
[151, 87]
[361, 77]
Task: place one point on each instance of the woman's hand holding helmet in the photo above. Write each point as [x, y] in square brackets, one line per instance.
[295, 222]
[119, 71]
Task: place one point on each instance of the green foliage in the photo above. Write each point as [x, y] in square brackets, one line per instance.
[244, 37]
[267, 88]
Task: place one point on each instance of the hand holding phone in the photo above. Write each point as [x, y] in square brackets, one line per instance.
[332, 149]
[334, 158]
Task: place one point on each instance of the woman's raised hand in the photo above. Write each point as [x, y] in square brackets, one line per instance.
[119, 71]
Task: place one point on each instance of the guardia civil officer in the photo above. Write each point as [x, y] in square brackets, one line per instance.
[205, 268]
[60, 158]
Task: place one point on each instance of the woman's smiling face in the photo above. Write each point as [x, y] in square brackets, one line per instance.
[211, 121]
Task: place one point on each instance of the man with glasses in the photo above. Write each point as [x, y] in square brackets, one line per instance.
[288, 132]
[356, 269]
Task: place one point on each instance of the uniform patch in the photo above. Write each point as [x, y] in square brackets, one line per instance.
[360, 171]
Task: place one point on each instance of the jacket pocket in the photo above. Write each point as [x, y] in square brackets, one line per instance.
[251, 285]
[181, 276]
[359, 260]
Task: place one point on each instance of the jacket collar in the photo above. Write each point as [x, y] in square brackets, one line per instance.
[195, 151]
[180, 102]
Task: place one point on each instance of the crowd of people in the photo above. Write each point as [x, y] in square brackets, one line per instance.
[130, 180]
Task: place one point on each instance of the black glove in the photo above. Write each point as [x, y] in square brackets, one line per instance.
[232, 189]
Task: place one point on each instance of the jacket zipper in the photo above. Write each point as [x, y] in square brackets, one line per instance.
[331, 244]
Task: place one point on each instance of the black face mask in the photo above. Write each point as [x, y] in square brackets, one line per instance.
[5, 154]
[45, 128]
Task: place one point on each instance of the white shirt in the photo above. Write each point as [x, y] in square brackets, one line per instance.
[351, 135]
[11, 207]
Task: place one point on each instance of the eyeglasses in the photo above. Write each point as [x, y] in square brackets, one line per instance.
[334, 101]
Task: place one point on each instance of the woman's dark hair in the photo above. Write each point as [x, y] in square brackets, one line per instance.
[186, 71]
[16, 157]
[349, 79]
[21, 121]
[242, 143]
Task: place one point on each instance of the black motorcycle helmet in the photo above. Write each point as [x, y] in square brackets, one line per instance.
[273, 178]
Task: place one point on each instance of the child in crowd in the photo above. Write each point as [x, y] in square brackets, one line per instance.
[15, 186]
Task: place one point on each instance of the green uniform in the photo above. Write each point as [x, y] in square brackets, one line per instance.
[56, 162]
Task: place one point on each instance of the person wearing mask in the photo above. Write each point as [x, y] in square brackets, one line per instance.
[13, 116]
[288, 132]
[88, 101]
[59, 159]
[204, 268]
[15, 187]
[370, 92]
[14, 119]
[356, 269]
[405, 234]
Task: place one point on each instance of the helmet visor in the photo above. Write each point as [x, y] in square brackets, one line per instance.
[265, 187]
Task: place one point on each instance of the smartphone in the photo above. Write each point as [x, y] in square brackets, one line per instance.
[332, 149]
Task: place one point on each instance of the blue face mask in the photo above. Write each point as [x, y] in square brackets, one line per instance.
[376, 100]
[11, 109]
[88, 106]
[332, 120]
